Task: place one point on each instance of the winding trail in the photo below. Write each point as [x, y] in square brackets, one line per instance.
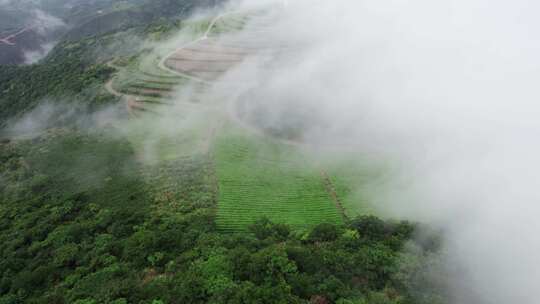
[131, 101]
[197, 51]
[164, 67]
[9, 39]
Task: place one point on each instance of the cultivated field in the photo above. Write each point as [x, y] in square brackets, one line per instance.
[249, 174]
[259, 177]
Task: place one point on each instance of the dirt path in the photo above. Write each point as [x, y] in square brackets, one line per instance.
[231, 111]
[109, 85]
[9, 39]
[110, 89]
[131, 101]
[332, 191]
[164, 67]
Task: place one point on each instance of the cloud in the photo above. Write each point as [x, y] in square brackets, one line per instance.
[55, 113]
[43, 23]
[447, 92]
[31, 57]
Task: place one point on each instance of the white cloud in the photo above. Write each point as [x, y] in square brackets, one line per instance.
[448, 91]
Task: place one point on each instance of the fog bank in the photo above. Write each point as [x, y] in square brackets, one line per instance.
[445, 90]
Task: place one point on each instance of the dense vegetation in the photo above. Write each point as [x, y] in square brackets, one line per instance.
[137, 15]
[73, 71]
[79, 19]
[81, 222]
[84, 220]
[70, 77]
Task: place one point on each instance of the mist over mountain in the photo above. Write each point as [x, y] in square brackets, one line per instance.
[269, 151]
[30, 29]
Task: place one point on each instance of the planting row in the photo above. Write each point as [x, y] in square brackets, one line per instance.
[259, 178]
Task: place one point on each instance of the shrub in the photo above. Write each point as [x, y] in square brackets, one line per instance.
[324, 233]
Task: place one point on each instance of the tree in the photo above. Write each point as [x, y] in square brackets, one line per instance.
[324, 232]
[371, 227]
[264, 229]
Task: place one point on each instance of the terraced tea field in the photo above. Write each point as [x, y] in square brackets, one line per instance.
[250, 174]
[258, 177]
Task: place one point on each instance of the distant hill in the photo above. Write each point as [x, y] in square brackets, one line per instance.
[15, 53]
[136, 15]
[48, 22]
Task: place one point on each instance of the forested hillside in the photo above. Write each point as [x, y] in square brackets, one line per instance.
[81, 222]
[28, 29]
[69, 78]
[76, 69]
[172, 200]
